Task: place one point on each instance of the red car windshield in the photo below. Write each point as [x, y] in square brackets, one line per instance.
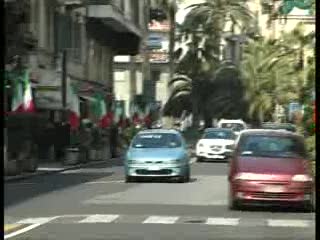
[272, 146]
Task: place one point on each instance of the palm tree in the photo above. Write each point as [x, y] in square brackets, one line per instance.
[266, 69]
[203, 31]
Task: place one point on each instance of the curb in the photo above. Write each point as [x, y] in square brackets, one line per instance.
[29, 175]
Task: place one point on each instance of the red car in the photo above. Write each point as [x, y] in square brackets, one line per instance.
[270, 167]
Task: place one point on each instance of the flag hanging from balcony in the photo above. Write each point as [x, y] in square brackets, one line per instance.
[22, 100]
[74, 107]
[100, 110]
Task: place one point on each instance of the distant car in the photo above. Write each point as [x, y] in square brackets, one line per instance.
[157, 153]
[279, 126]
[156, 125]
[215, 143]
[237, 125]
[270, 167]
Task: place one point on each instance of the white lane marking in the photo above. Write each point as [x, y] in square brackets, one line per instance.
[49, 169]
[288, 223]
[104, 182]
[223, 221]
[40, 220]
[36, 222]
[99, 218]
[160, 220]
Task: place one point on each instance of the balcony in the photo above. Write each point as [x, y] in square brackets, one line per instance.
[108, 24]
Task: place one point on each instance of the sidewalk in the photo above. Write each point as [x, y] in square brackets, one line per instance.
[50, 168]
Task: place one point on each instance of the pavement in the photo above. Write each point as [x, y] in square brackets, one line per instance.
[94, 202]
[49, 168]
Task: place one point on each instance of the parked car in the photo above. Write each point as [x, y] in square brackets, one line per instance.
[237, 125]
[215, 143]
[158, 153]
[279, 126]
[270, 167]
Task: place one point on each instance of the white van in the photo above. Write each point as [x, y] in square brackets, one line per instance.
[237, 125]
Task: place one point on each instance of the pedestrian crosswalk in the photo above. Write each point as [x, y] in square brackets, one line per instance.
[158, 219]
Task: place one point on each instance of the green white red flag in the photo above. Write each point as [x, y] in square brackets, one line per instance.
[22, 100]
[74, 108]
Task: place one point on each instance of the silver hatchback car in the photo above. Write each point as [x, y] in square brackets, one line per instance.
[157, 153]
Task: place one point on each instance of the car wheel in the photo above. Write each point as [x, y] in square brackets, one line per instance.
[199, 159]
[129, 179]
[187, 176]
[232, 203]
[308, 206]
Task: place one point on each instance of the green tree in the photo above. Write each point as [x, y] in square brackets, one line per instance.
[266, 69]
[202, 34]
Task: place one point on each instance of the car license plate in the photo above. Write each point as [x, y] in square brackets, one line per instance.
[274, 189]
[153, 168]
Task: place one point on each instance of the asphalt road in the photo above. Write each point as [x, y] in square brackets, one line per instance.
[94, 203]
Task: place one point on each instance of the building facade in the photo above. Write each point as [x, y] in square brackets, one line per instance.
[88, 34]
[133, 92]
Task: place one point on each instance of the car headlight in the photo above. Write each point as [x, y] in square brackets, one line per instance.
[301, 178]
[246, 176]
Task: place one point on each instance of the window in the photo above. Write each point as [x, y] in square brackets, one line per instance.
[219, 135]
[272, 146]
[157, 140]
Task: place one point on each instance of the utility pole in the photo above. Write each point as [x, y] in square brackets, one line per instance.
[172, 21]
[64, 85]
[146, 62]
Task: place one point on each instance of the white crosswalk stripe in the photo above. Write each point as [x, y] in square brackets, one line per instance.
[161, 220]
[288, 223]
[223, 221]
[40, 220]
[100, 219]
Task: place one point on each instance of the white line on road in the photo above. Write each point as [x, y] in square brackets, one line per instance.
[288, 223]
[104, 182]
[223, 221]
[36, 222]
[49, 169]
[99, 219]
[160, 220]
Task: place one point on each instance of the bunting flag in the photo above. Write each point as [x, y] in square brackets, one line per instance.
[22, 100]
[74, 107]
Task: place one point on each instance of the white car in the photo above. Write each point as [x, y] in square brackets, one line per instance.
[237, 125]
[216, 143]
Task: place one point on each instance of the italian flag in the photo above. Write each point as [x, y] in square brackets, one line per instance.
[74, 107]
[101, 111]
[22, 100]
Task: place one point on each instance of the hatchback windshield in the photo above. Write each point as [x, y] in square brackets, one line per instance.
[234, 126]
[219, 135]
[157, 140]
[272, 146]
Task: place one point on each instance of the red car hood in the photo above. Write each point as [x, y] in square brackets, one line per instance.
[264, 165]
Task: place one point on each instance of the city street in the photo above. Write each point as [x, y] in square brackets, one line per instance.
[95, 203]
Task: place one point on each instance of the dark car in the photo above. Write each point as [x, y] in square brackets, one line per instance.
[270, 167]
[279, 126]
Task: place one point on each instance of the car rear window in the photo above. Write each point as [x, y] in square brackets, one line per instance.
[219, 135]
[234, 126]
[272, 146]
[157, 140]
